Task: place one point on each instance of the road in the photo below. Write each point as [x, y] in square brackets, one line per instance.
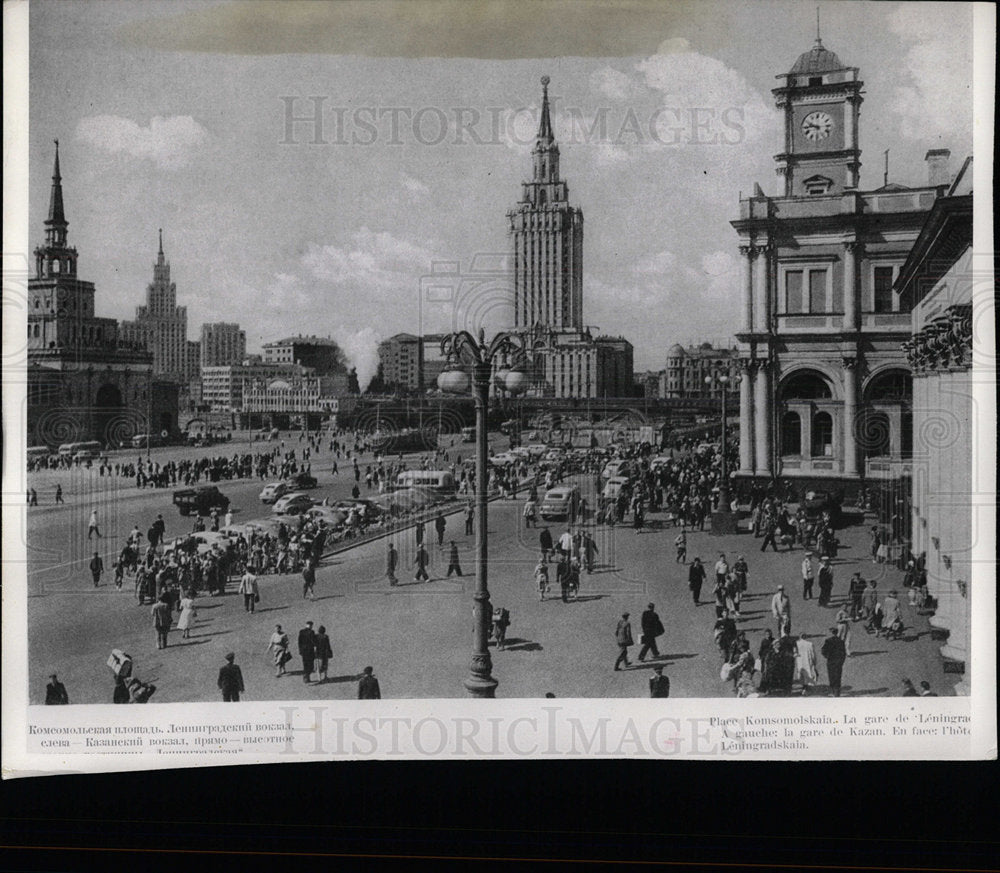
[418, 635]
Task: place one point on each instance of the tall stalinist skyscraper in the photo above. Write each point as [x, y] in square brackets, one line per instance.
[547, 255]
[547, 241]
[161, 326]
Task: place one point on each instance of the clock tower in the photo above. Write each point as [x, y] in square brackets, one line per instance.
[821, 99]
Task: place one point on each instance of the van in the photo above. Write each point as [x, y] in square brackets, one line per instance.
[200, 500]
[441, 481]
[71, 450]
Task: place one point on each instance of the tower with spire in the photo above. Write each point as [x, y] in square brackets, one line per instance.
[546, 234]
[547, 240]
[161, 326]
[84, 381]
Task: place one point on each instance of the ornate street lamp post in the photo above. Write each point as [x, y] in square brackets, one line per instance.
[724, 520]
[455, 380]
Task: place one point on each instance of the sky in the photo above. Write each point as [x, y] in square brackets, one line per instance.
[392, 215]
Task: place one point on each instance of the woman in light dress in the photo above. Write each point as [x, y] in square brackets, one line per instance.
[188, 614]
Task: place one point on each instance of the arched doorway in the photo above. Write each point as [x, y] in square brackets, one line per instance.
[109, 413]
[808, 410]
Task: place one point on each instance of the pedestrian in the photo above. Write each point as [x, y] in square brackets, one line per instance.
[250, 591]
[188, 614]
[55, 692]
[925, 689]
[32, 497]
[856, 591]
[368, 687]
[529, 513]
[278, 646]
[835, 653]
[844, 628]
[308, 579]
[59, 494]
[391, 562]
[542, 578]
[545, 543]
[96, 569]
[92, 527]
[808, 576]
[681, 544]
[652, 628]
[453, 565]
[230, 680]
[323, 653]
[805, 664]
[908, 689]
[590, 550]
[470, 515]
[721, 570]
[659, 685]
[307, 650]
[120, 694]
[770, 534]
[781, 609]
[623, 637]
[892, 615]
[869, 599]
[825, 581]
[421, 562]
[419, 532]
[162, 619]
[440, 524]
[696, 578]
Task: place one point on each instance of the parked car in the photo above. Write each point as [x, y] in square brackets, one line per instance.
[271, 492]
[301, 481]
[293, 504]
[201, 500]
[613, 487]
[562, 501]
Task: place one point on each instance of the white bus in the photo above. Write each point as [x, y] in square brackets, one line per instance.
[71, 450]
[441, 481]
[469, 434]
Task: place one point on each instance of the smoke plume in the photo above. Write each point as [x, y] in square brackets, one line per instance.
[361, 349]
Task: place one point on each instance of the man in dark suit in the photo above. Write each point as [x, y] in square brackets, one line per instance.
[231, 680]
[835, 653]
[307, 650]
[55, 692]
[696, 578]
[368, 686]
[659, 685]
[652, 627]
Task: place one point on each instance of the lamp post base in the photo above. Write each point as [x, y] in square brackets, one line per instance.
[478, 686]
[724, 522]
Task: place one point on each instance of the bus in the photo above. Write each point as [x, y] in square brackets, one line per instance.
[469, 434]
[71, 450]
[441, 481]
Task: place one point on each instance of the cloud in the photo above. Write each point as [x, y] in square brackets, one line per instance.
[612, 83]
[379, 262]
[170, 143]
[414, 185]
[938, 60]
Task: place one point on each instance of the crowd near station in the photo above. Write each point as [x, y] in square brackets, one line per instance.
[575, 500]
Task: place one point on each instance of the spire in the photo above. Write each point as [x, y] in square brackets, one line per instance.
[161, 242]
[818, 40]
[545, 123]
[57, 217]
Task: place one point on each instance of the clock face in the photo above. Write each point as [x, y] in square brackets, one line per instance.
[817, 126]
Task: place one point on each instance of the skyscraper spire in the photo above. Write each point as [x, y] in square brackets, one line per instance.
[57, 217]
[161, 244]
[545, 123]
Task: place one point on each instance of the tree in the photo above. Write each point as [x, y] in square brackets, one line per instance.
[352, 382]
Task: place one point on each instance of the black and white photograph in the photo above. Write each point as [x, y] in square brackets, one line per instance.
[330, 393]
